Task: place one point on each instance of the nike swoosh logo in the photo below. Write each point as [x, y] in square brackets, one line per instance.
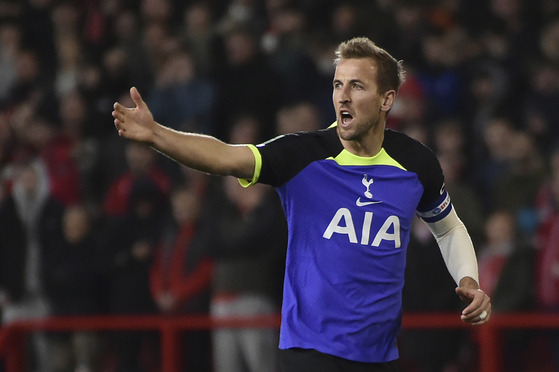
[360, 203]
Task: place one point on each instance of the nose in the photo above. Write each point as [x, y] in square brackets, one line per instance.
[345, 95]
[342, 95]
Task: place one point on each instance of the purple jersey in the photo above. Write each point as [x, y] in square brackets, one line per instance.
[349, 220]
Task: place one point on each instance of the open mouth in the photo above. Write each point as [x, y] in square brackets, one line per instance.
[346, 117]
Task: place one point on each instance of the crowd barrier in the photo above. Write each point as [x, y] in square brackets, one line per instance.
[488, 337]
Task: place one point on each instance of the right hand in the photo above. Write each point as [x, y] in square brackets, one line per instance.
[134, 123]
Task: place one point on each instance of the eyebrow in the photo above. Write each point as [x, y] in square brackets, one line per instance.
[351, 81]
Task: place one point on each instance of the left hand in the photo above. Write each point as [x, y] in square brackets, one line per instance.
[478, 310]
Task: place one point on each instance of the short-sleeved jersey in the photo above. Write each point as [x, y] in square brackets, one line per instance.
[349, 221]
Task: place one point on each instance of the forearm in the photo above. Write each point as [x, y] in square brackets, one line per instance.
[204, 153]
[456, 248]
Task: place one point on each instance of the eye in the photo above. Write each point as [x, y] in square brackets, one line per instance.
[357, 86]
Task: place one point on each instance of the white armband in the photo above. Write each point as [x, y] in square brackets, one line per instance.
[456, 247]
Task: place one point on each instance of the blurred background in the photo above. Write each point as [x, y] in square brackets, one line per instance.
[93, 225]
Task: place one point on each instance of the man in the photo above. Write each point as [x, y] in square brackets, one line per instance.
[350, 193]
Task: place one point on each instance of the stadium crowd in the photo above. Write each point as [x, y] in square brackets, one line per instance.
[91, 224]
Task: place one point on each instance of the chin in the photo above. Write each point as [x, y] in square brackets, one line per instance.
[347, 135]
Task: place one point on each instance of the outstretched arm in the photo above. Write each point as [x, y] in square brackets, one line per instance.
[197, 151]
[459, 255]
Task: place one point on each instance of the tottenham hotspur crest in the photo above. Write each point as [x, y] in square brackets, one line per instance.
[367, 193]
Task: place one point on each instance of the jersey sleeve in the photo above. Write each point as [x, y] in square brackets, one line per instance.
[281, 158]
[435, 203]
[416, 157]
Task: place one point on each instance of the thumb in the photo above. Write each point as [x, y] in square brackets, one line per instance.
[465, 294]
[136, 97]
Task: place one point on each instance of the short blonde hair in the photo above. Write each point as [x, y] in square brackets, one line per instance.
[391, 73]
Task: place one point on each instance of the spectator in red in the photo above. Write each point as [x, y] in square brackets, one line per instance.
[129, 242]
[182, 272]
[141, 162]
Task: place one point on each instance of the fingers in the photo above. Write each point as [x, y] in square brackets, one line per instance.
[118, 112]
[478, 312]
[131, 121]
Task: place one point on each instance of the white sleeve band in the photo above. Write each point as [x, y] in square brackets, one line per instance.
[456, 247]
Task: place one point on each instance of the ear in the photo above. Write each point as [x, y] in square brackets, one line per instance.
[388, 100]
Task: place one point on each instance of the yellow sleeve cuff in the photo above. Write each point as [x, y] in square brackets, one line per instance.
[257, 168]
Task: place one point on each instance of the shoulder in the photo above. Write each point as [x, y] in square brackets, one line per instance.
[418, 158]
[320, 140]
[411, 153]
[414, 156]
[286, 155]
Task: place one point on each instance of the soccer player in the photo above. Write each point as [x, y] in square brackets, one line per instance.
[350, 193]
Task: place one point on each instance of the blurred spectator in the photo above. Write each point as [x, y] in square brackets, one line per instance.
[451, 146]
[157, 40]
[39, 136]
[126, 28]
[75, 285]
[429, 350]
[75, 156]
[410, 26]
[155, 11]
[506, 271]
[516, 18]
[36, 21]
[141, 162]
[285, 44]
[439, 75]
[130, 260]
[485, 97]
[182, 272]
[547, 269]
[248, 242]
[298, 117]
[506, 264]
[498, 138]
[409, 110]
[200, 36]
[31, 86]
[541, 109]
[65, 19]
[248, 12]
[516, 188]
[30, 222]
[117, 73]
[449, 138]
[246, 83]
[177, 82]
[347, 20]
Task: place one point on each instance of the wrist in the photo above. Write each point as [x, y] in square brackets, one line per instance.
[157, 135]
[469, 283]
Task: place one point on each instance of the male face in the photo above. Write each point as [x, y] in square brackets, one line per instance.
[360, 108]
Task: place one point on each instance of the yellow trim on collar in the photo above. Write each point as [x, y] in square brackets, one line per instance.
[382, 158]
[347, 158]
